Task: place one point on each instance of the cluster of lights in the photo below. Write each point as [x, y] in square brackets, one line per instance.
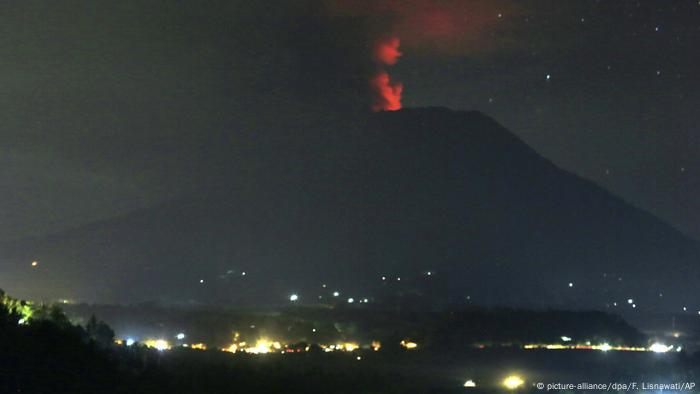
[161, 344]
[350, 300]
[265, 346]
[342, 347]
[510, 382]
[605, 347]
[261, 346]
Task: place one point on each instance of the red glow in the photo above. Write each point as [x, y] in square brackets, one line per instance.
[386, 51]
[388, 93]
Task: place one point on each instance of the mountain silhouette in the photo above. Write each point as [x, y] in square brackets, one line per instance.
[450, 202]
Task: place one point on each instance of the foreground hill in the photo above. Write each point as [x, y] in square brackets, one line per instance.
[450, 202]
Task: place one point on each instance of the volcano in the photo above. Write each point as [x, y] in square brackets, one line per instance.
[429, 204]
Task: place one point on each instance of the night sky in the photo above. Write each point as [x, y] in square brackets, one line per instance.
[110, 107]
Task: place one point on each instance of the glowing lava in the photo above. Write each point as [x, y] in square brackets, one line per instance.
[387, 94]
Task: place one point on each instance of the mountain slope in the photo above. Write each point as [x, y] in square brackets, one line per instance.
[407, 193]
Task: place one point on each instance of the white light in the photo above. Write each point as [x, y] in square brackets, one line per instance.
[660, 348]
[429, 273]
[130, 341]
[383, 277]
[201, 281]
[571, 284]
[180, 336]
[399, 278]
[293, 297]
[469, 383]
[313, 330]
[358, 358]
[351, 300]
[630, 301]
[548, 77]
[605, 347]
[365, 300]
[565, 338]
[336, 293]
[21, 321]
[685, 309]
[243, 273]
[634, 305]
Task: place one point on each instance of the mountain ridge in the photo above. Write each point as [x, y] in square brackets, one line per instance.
[408, 192]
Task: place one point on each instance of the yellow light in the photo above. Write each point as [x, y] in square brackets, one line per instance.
[263, 346]
[556, 346]
[160, 344]
[376, 345]
[198, 346]
[409, 345]
[512, 382]
[232, 349]
[348, 346]
[35, 263]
